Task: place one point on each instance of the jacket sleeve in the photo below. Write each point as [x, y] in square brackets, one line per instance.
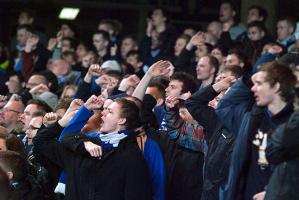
[232, 107]
[77, 122]
[84, 90]
[283, 144]
[27, 68]
[183, 61]
[46, 144]
[198, 107]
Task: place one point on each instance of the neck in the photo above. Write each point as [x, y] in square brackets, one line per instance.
[161, 27]
[276, 106]
[230, 22]
[207, 81]
[102, 52]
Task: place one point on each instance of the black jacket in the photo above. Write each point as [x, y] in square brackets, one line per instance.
[120, 174]
[283, 152]
[220, 141]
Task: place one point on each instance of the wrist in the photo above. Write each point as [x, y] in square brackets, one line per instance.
[87, 78]
[189, 46]
[62, 122]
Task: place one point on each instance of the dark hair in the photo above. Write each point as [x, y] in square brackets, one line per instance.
[115, 74]
[38, 114]
[104, 34]
[51, 77]
[236, 70]
[165, 13]
[27, 27]
[30, 13]
[42, 106]
[260, 25]
[290, 20]
[14, 162]
[160, 87]
[113, 24]
[234, 7]
[130, 112]
[209, 47]
[213, 62]
[189, 83]
[262, 12]
[13, 143]
[136, 53]
[63, 104]
[278, 72]
[239, 53]
[222, 48]
[185, 37]
[73, 41]
[71, 26]
[147, 117]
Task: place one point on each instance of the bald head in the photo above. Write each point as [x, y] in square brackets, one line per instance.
[60, 67]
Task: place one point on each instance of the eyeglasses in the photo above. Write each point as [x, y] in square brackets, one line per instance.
[9, 110]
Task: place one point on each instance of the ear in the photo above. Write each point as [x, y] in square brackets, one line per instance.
[122, 121]
[277, 87]
[234, 13]
[263, 34]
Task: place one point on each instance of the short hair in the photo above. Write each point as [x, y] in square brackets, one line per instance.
[185, 37]
[136, 53]
[104, 34]
[38, 114]
[213, 62]
[13, 143]
[234, 7]
[189, 83]
[260, 25]
[236, 70]
[14, 162]
[160, 87]
[130, 112]
[71, 26]
[63, 103]
[30, 13]
[209, 47]
[51, 77]
[42, 106]
[222, 48]
[72, 41]
[27, 27]
[278, 72]
[262, 12]
[290, 20]
[115, 74]
[113, 24]
[240, 55]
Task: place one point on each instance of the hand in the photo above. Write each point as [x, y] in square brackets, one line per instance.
[3, 101]
[126, 83]
[75, 105]
[161, 67]
[113, 50]
[149, 27]
[39, 89]
[224, 83]
[93, 149]
[50, 118]
[52, 43]
[94, 103]
[59, 36]
[95, 70]
[87, 61]
[259, 196]
[197, 39]
[275, 49]
[31, 43]
[171, 101]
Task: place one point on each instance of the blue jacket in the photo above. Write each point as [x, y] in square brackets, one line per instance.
[234, 112]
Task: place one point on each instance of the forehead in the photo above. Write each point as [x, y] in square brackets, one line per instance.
[254, 28]
[282, 23]
[31, 107]
[259, 76]
[175, 83]
[157, 12]
[114, 106]
[204, 60]
[36, 78]
[253, 11]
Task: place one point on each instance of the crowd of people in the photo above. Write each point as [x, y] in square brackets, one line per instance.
[207, 115]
